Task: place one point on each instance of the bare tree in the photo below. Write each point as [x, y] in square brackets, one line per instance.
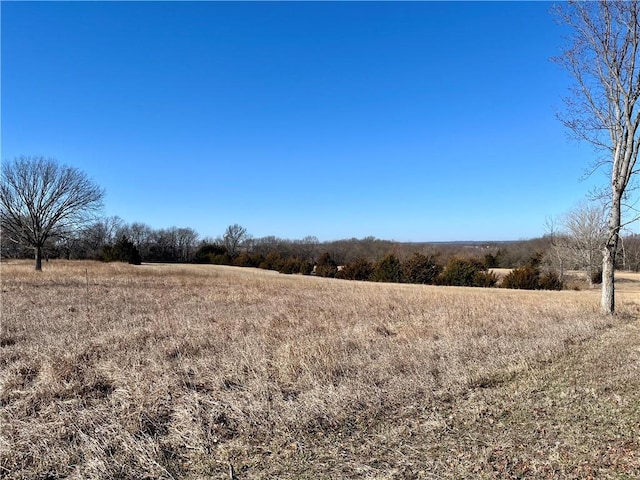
[308, 248]
[233, 237]
[187, 239]
[99, 234]
[603, 59]
[40, 198]
[631, 252]
[555, 254]
[577, 239]
[141, 235]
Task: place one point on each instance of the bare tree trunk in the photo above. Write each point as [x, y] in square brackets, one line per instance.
[38, 258]
[608, 297]
[609, 256]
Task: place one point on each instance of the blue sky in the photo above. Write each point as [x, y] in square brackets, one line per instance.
[417, 121]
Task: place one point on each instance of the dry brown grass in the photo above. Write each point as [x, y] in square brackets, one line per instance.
[158, 371]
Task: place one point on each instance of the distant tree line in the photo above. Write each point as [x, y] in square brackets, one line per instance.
[48, 210]
[111, 239]
[537, 263]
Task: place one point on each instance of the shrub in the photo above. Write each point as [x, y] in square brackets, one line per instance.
[491, 260]
[306, 267]
[296, 265]
[273, 261]
[485, 279]
[133, 255]
[420, 269]
[529, 277]
[360, 269]
[123, 250]
[207, 252]
[246, 260]
[326, 267]
[222, 259]
[389, 269]
[463, 272]
[525, 278]
[289, 265]
[106, 254]
[551, 281]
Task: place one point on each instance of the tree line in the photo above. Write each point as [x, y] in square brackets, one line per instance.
[50, 211]
[533, 264]
[573, 242]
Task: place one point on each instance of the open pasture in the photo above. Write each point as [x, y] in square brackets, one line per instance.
[181, 371]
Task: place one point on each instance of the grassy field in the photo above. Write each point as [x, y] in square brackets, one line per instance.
[202, 372]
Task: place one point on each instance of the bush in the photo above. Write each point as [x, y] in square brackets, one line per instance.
[525, 278]
[273, 261]
[207, 252]
[306, 267]
[485, 279]
[551, 281]
[389, 269]
[360, 269]
[122, 251]
[247, 260]
[420, 269]
[289, 265]
[223, 259]
[133, 256]
[463, 272]
[529, 277]
[296, 265]
[326, 267]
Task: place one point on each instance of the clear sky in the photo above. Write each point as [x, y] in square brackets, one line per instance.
[417, 121]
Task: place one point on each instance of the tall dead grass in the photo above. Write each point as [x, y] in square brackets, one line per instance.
[159, 371]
